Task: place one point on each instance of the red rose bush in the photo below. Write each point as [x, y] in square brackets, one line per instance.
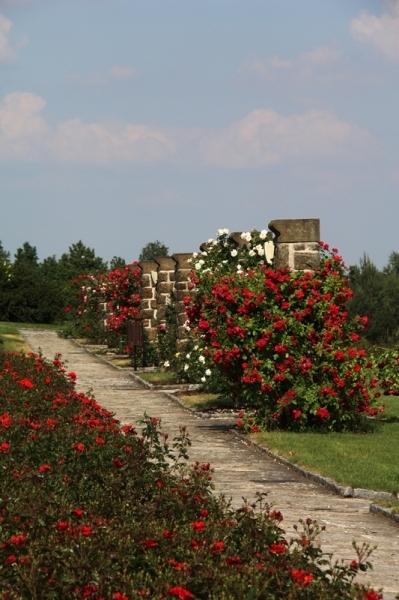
[92, 509]
[282, 340]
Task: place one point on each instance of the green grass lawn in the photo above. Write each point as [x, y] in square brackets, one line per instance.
[204, 401]
[12, 341]
[161, 377]
[365, 460]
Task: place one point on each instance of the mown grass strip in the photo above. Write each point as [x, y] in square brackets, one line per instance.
[363, 460]
[11, 339]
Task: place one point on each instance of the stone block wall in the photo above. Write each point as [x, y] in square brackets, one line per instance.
[296, 243]
[296, 247]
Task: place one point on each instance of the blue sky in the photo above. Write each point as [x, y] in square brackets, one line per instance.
[125, 121]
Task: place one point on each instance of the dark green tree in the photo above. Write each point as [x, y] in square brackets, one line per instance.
[5, 276]
[116, 262]
[153, 249]
[80, 259]
[25, 289]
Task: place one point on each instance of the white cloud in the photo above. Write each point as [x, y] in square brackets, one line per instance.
[24, 134]
[265, 137]
[6, 50]
[305, 62]
[22, 127]
[114, 73]
[99, 143]
[262, 138]
[382, 32]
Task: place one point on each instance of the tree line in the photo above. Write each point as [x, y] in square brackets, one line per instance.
[36, 291]
[376, 294]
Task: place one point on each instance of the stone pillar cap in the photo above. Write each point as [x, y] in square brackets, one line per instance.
[166, 262]
[148, 265]
[296, 230]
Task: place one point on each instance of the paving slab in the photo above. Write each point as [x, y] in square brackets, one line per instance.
[240, 469]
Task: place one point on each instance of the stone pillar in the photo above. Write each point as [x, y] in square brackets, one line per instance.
[236, 237]
[183, 268]
[165, 285]
[296, 243]
[148, 297]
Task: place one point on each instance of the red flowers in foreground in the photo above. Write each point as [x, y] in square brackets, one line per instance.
[153, 529]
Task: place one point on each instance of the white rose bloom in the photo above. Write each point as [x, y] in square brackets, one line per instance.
[239, 268]
[186, 367]
[251, 253]
[263, 234]
[195, 254]
[204, 253]
[199, 264]
[201, 358]
[260, 250]
[166, 364]
[210, 240]
[203, 379]
[214, 243]
[246, 235]
[196, 347]
[208, 372]
[188, 355]
[223, 231]
[234, 252]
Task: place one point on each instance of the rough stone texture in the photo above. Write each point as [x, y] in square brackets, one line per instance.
[240, 470]
[181, 259]
[236, 237]
[282, 256]
[296, 230]
[149, 309]
[166, 263]
[183, 268]
[306, 261]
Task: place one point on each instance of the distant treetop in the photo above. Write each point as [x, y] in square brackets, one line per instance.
[153, 249]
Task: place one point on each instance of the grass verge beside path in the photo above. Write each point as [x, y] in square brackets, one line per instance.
[362, 460]
[12, 341]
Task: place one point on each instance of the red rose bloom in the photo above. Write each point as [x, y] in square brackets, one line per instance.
[26, 384]
[278, 548]
[62, 525]
[4, 447]
[44, 468]
[79, 447]
[5, 420]
[17, 539]
[323, 413]
[217, 546]
[198, 525]
[301, 577]
[180, 592]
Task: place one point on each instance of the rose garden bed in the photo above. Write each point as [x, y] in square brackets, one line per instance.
[90, 509]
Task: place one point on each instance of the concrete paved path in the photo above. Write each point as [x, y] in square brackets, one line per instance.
[240, 470]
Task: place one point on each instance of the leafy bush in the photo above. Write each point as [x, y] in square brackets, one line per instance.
[103, 304]
[386, 362]
[285, 343]
[90, 509]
